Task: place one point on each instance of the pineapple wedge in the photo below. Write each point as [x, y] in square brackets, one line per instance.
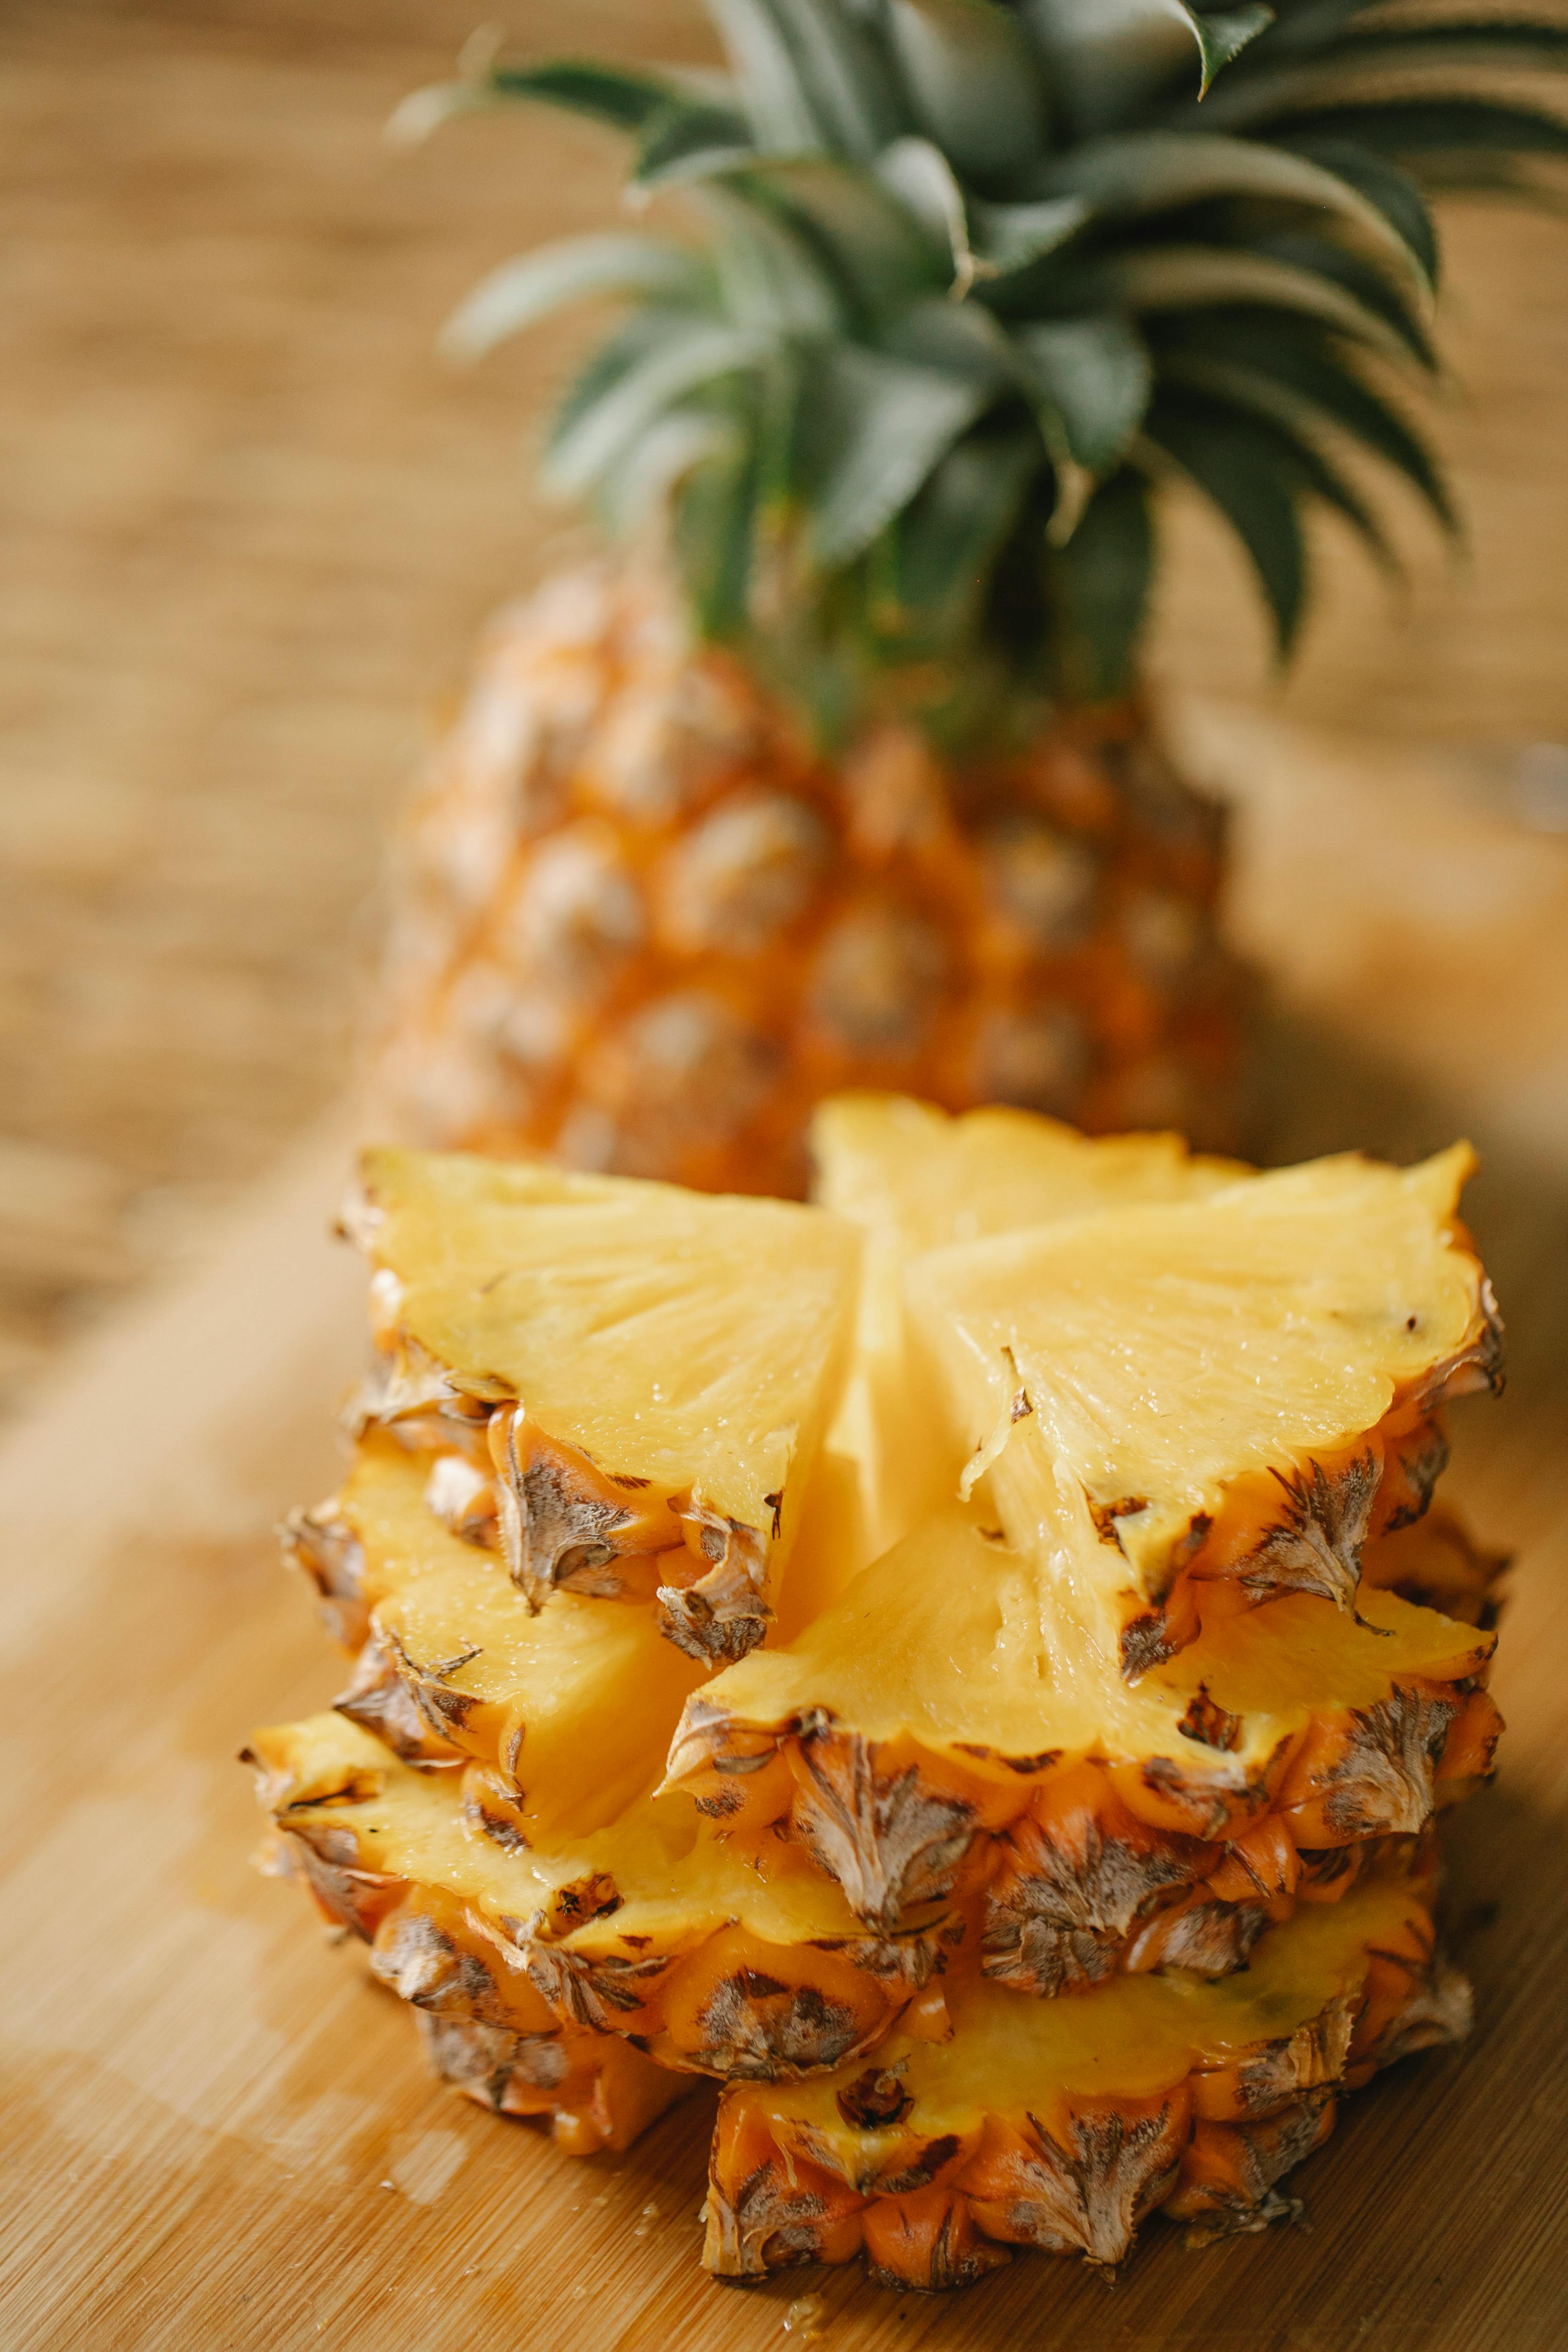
[917, 1180]
[1236, 1389]
[629, 1381]
[947, 1725]
[1062, 2124]
[559, 1711]
[715, 1955]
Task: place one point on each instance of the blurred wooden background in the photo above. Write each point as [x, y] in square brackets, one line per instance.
[251, 526]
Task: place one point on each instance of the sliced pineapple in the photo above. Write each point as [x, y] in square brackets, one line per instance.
[1237, 1389]
[1062, 2124]
[630, 1382]
[715, 1956]
[567, 1706]
[951, 1701]
[917, 1181]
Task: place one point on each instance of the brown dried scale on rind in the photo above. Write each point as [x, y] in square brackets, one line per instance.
[1060, 1914]
[326, 1549]
[1316, 1545]
[564, 1525]
[388, 1697]
[1087, 2192]
[892, 1842]
[720, 1614]
[1229, 2172]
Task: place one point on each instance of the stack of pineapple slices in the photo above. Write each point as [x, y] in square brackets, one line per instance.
[970, 1666]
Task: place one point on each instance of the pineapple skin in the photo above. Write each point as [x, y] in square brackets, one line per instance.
[638, 923]
[933, 2191]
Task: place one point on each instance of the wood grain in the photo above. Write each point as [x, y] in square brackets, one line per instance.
[219, 2134]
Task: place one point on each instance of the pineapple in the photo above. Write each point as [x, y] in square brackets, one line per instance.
[715, 1956]
[1207, 1405]
[946, 1728]
[1062, 2124]
[845, 775]
[921, 1816]
[454, 1671]
[627, 1385]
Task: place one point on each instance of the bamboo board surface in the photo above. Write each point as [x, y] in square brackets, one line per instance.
[218, 2135]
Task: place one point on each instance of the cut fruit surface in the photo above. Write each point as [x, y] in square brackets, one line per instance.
[950, 1692]
[652, 1370]
[718, 1956]
[1236, 1388]
[1062, 2124]
[566, 1705]
[918, 1181]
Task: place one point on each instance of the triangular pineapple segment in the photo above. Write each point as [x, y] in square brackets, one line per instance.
[1230, 1388]
[570, 1707]
[1062, 2123]
[718, 1956]
[926, 1178]
[952, 1696]
[653, 1370]
[918, 1179]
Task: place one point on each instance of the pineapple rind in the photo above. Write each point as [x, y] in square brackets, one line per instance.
[1064, 2131]
[715, 1958]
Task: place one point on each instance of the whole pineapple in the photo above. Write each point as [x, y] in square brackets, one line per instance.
[843, 776]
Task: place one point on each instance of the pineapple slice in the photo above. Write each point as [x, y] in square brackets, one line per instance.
[917, 1180]
[950, 1701]
[514, 2056]
[631, 1381]
[1236, 1389]
[1062, 2124]
[566, 1707]
[715, 1955]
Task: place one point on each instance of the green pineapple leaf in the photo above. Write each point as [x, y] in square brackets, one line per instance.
[576, 269]
[1094, 374]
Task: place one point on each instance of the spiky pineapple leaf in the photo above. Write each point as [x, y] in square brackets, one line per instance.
[1307, 364]
[617, 95]
[814, 82]
[690, 142]
[1109, 57]
[875, 251]
[574, 269]
[1101, 580]
[974, 82]
[920, 176]
[1010, 237]
[878, 427]
[1386, 186]
[1147, 172]
[1235, 462]
[769, 276]
[676, 356]
[1277, 410]
[1198, 277]
[949, 533]
[1095, 374]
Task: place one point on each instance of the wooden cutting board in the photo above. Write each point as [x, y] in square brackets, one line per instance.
[219, 2134]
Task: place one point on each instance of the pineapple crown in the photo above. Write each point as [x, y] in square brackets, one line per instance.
[978, 276]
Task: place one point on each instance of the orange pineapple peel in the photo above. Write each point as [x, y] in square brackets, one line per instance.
[1062, 2124]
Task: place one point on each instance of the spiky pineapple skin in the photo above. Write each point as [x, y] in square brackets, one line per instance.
[637, 922]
